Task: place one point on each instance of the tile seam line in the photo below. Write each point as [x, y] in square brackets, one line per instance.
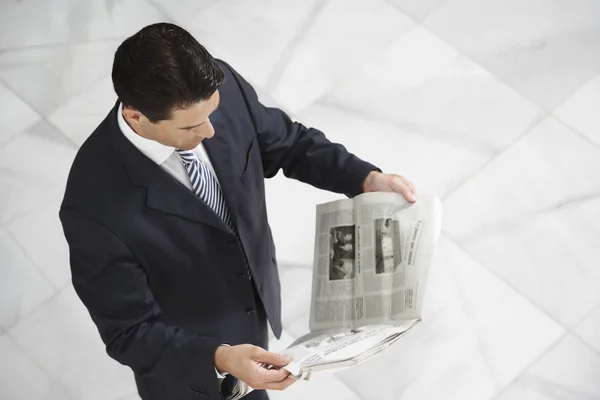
[42, 116]
[35, 264]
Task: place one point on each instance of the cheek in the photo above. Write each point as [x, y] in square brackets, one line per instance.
[172, 137]
[155, 130]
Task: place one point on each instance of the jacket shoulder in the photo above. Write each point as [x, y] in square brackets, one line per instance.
[94, 169]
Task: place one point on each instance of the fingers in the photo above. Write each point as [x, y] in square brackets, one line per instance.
[284, 384]
[271, 375]
[404, 187]
[412, 187]
[258, 367]
[264, 356]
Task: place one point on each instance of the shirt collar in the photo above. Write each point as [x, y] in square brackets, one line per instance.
[155, 151]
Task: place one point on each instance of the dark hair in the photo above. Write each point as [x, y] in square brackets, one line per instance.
[162, 68]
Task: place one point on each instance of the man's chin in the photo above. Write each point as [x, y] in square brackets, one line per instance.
[190, 146]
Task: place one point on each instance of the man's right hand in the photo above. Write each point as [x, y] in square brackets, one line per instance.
[245, 363]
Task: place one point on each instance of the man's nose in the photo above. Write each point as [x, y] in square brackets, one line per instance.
[210, 130]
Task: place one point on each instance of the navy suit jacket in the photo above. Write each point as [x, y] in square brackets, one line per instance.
[162, 276]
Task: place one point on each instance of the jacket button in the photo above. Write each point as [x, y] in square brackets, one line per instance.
[250, 311]
[198, 392]
[244, 275]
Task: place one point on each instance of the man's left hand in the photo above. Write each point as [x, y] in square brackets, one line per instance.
[379, 182]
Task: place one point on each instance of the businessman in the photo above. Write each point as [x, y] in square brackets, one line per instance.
[165, 217]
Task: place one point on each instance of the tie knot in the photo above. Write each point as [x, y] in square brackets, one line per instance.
[187, 156]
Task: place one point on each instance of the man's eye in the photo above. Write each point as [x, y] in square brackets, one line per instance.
[187, 129]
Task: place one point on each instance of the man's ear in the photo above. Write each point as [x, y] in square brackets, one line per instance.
[132, 115]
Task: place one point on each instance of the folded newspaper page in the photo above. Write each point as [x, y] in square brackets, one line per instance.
[371, 262]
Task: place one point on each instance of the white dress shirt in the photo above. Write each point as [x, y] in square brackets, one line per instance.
[167, 158]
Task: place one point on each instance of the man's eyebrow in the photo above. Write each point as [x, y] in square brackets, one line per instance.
[191, 127]
[194, 126]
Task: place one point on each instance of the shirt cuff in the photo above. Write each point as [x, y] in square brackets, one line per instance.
[219, 376]
[224, 374]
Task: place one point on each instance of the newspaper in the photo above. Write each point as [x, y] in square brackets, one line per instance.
[371, 261]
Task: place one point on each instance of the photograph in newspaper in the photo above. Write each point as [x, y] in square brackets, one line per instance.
[388, 254]
[342, 240]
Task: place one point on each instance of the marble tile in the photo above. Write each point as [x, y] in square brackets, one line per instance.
[23, 24]
[550, 257]
[549, 166]
[296, 286]
[48, 77]
[132, 396]
[570, 370]
[81, 115]
[252, 36]
[41, 236]
[266, 99]
[29, 186]
[581, 111]
[21, 378]
[332, 47]
[15, 115]
[544, 49]
[418, 9]
[20, 196]
[299, 325]
[22, 287]
[423, 85]
[478, 334]
[533, 216]
[72, 350]
[322, 386]
[589, 329]
[279, 345]
[182, 12]
[48, 133]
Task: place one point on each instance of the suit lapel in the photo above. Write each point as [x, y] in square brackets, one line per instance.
[170, 196]
[219, 150]
[164, 192]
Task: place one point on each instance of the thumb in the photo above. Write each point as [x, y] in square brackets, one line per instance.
[277, 360]
[398, 185]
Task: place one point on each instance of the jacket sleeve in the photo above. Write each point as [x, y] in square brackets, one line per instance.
[113, 287]
[302, 153]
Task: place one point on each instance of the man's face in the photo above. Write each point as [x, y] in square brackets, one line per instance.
[348, 237]
[184, 130]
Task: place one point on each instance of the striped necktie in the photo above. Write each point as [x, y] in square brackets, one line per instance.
[206, 187]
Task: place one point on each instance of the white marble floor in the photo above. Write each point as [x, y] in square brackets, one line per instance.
[493, 105]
